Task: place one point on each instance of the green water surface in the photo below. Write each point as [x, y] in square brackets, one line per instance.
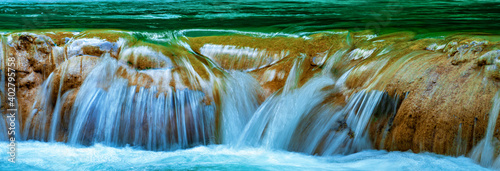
[290, 16]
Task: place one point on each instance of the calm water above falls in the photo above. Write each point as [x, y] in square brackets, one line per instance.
[271, 16]
[118, 122]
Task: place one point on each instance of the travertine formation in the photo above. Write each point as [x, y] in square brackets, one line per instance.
[445, 83]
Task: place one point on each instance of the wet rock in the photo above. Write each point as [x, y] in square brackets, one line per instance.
[445, 89]
[146, 56]
[488, 58]
[32, 52]
[72, 73]
[32, 80]
[438, 97]
[93, 47]
[270, 59]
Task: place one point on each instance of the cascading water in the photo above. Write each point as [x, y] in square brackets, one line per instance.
[246, 58]
[275, 120]
[111, 107]
[44, 100]
[294, 119]
[486, 151]
[238, 109]
[109, 111]
[250, 85]
[303, 127]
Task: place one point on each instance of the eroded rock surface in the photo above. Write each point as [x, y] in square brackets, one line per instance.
[443, 87]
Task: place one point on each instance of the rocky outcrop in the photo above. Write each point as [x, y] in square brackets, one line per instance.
[446, 86]
[447, 94]
[443, 87]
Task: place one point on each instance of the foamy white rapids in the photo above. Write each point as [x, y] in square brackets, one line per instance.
[58, 156]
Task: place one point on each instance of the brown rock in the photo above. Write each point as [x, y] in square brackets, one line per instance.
[440, 97]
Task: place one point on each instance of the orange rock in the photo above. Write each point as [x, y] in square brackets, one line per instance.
[442, 96]
[446, 84]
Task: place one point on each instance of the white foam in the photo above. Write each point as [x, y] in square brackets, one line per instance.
[58, 156]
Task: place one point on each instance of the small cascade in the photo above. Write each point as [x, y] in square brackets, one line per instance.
[460, 142]
[240, 99]
[302, 118]
[56, 112]
[359, 111]
[332, 129]
[333, 60]
[253, 131]
[292, 81]
[35, 126]
[58, 55]
[163, 97]
[485, 152]
[107, 110]
[56, 115]
[274, 122]
[117, 105]
[241, 58]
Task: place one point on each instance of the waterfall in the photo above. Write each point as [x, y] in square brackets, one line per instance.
[302, 121]
[42, 108]
[178, 102]
[333, 60]
[241, 58]
[240, 99]
[56, 112]
[112, 107]
[274, 121]
[485, 151]
[168, 103]
[107, 110]
[333, 129]
[359, 111]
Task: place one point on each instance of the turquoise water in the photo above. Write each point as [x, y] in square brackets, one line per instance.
[289, 16]
[156, 20]
[58, 156]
